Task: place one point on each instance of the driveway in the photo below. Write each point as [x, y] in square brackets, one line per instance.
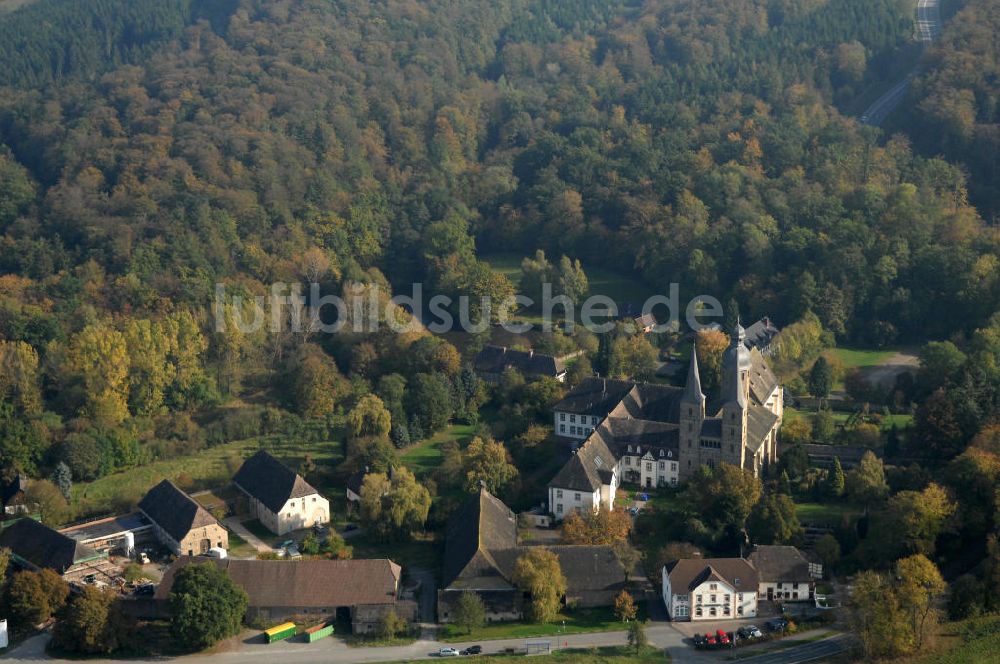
[234, 525]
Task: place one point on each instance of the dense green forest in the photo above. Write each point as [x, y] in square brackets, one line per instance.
[152, 152]
[955, 107]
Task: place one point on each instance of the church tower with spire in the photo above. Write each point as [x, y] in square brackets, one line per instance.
[691, 417]
[735, 398]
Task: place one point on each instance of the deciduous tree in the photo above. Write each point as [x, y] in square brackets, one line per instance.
[205, 605]
[538, 573]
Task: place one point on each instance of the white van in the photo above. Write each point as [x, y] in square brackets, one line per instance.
[217, 552]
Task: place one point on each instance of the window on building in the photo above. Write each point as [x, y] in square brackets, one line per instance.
[713, 586]
[649, 466]
[572, 418]
[558, 508]
[713, 612]
[673, 466]
[725, 610]
[576, 497]
[558, 493]
[714, 599]
[293, 504]
[628, 461]
[697, 611]
[562, 417]
[662, 465]
[562, 428]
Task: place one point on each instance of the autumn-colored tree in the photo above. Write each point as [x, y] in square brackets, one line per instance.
[98, 357]
[394, 507]
[625, 609]
[919, 586]
[487, 463]
[369, 417]
[537, 572]
[604, 526]
[710, 345]
[92, 623]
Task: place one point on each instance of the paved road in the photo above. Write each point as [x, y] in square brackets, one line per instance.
[928, 29]
[333, 651]
[809, 652]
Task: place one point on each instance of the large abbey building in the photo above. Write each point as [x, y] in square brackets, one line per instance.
[654, 435]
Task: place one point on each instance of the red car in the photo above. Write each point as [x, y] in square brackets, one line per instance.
[710, 641]
[722, 637]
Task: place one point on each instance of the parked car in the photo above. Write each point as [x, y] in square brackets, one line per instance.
[320, 529]
[633, 510]
[145, 590]
[286, 544]
[447, 652]
[722, 637]
[643, 497]
[749, 632]
[700, 641]
[711, 641]
[777, 625]
[216, 552]
[473, 650]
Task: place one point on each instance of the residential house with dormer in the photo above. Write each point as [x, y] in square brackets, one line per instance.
[697, 589]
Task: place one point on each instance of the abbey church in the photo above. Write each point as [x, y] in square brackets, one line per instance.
[656, 435]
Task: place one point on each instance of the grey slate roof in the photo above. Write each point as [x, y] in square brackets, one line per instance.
[318, 584]
[496, 359]
[483, 523]
[692, 388]
[174, 511]
[594, 396]
[586, 567]
[270, 481]
[762, 379]
[591, 465]
[43, 547]
[13, 490]
[761, 333]
[759, 423]
[687, 574]
[780, 564]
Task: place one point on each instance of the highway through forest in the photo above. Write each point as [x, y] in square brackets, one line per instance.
[928, 30]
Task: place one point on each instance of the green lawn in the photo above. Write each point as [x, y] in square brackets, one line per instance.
[901, 420]
[424, 457]
[856, 357]
[607, 655]
[423, 552]
[239, 548]
[823, 513]
[619, 287]
[257, 529]
[568, 622]
[208, 468]
[204, 469]
[967, 642]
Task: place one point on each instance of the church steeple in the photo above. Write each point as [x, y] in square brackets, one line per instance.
[736, 368]
[692, 389]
